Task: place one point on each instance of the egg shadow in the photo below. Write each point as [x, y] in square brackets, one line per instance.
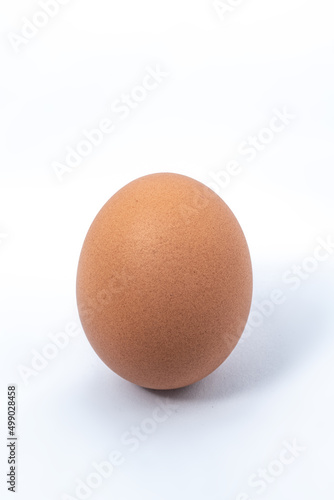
[288, 337]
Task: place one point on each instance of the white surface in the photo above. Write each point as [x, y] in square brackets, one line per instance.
[226, 78]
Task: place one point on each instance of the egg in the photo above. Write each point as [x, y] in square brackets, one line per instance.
[164, 281]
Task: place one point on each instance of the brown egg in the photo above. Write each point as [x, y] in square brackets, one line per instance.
[164, 281]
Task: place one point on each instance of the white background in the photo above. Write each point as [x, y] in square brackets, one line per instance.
[227, 75]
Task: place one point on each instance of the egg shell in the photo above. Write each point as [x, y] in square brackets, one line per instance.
[164, 282]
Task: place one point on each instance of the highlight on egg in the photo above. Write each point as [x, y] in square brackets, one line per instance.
[164, 281]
